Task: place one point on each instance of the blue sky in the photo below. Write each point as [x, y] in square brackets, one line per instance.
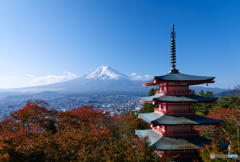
[42, 42]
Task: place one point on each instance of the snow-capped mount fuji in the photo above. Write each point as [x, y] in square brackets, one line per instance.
[103, 80]
[105, 72]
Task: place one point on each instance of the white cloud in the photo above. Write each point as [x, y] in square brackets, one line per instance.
[52, 78]
[9, 78]
[71, 74]
[147, 76]
[32, 76]
[138, 77]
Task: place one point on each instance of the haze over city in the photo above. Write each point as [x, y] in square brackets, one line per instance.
[43, 42]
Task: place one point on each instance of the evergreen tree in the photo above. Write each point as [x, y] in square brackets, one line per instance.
[147, 107]
[152, 91]
[231, 102]
[203, 109]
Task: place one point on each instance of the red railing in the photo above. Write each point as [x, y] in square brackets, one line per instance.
[175, 92]
[162, 91]
[157, 110]
[174, 111]
[159, 130]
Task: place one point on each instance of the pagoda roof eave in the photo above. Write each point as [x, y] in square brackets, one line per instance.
[178, 77]
[160, 142]
[177, 119]
[148, 81]
[178, 98]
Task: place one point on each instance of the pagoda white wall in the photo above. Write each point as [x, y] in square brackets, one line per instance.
[178, 128]
[185, 107]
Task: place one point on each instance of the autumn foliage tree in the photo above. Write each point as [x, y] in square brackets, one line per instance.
[216, 149]
[34, 133]
[229, 131]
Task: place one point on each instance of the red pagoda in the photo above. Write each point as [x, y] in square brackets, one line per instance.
[173, 121]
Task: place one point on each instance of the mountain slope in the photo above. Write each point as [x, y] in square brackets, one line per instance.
[103, 79]
[228, 93]
[214, 90]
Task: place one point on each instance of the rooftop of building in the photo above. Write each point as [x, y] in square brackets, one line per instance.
[179, 77]
[160, 142]
[178, 98]
[177, 119]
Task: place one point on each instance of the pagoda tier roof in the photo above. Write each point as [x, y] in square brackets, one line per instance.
[177, 98]
[160, 142]
[177, 119]
[179, 77]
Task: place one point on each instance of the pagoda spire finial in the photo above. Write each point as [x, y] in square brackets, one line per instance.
[173, 51]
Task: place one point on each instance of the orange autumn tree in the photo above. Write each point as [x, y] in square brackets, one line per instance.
[34, 133]
[227, 133]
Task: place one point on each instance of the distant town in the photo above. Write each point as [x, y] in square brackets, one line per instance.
[116, 104]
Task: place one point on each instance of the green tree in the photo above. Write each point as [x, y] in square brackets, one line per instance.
[152, 91]
[147, 107]
[203, 109]
[231, 102]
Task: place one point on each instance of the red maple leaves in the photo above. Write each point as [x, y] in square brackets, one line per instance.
[34, 133]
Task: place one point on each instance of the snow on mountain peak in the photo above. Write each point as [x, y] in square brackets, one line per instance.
[105, 72]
